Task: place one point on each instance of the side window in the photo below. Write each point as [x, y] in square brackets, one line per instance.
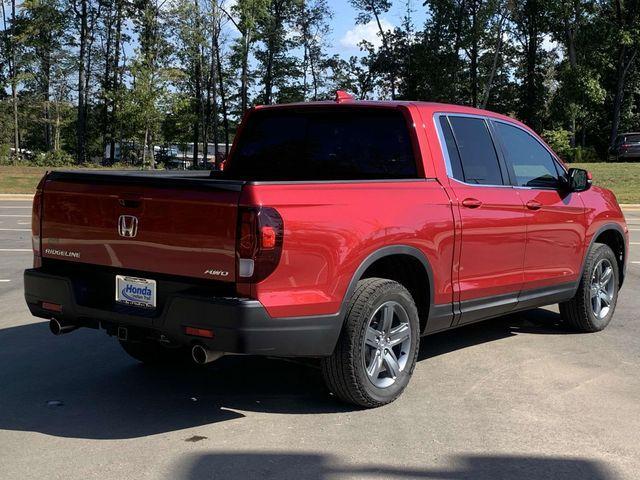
[452, 150]
[477, 153]
[532, 164]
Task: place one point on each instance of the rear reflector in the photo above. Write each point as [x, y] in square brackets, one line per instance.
[199, 332]
[54, 307]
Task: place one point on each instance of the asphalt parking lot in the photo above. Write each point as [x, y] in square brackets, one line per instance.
[512, 398]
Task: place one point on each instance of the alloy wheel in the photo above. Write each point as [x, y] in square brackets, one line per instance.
[387, 344]
[602, 288]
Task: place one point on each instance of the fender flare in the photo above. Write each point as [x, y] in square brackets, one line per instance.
[377, 255]
[603, 228]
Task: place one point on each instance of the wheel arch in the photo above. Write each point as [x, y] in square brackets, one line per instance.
[612, 235]
[417, 269]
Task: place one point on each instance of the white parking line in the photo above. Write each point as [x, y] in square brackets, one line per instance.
[11, 206]
[15, 229]
[15, 250]
[4, 280]
[634, 243]
[637, 263]
[21, 216]
[24, 223]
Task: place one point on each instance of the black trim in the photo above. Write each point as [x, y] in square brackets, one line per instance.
[377, 255]
[240, 325]
[339, 182]
[160, 179]
[440, 318]
[601, 230]
[479, 309]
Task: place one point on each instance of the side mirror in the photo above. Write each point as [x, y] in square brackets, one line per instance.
[579, 180]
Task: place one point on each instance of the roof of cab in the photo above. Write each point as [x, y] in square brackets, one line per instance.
[426, 108]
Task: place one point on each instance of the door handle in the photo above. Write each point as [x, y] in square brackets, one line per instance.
[534, 205]
[471, 203]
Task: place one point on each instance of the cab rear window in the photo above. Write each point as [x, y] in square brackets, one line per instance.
[324, 144]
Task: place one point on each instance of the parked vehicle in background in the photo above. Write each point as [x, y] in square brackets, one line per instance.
[340, 230]
[626, 147]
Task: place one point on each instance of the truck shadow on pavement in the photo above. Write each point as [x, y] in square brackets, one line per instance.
[315, 466]
[82, 385]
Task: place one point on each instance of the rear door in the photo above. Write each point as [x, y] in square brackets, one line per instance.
[177, 226]
[555, 217]
[491, 217]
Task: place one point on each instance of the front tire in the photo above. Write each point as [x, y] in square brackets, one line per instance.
[376, 353]
[592, 308]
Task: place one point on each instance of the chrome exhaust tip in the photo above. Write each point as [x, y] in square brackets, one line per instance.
[201, 355]
[58, 327]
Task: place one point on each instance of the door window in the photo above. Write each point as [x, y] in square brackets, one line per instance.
[477, 154]
[532, 164]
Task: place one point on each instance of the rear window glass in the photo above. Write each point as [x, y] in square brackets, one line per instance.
[323, 144]
[632, 138]
[477, 153]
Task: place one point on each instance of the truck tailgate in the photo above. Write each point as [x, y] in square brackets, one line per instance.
[179, 224]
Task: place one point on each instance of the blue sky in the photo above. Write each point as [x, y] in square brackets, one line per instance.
[346, 34]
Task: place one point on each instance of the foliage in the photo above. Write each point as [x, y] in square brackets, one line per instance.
[90, 75]
[54, 158]
[558, 140]
[586, 155]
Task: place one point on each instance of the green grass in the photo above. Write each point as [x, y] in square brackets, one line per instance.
[15, 179]
[20, 179]
[622, 178]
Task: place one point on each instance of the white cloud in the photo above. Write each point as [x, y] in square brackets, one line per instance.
[368, 32]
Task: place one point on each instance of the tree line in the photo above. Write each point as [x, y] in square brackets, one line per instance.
[80, 77]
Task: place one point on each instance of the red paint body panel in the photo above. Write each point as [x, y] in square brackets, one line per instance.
[555, 238]
[180, 232]
[492, 241]
[331, 228]
[491, 246]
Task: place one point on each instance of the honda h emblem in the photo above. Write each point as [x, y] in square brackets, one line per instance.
[127, 226]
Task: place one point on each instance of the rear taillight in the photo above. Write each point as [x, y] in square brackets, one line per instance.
[36, 216]
[259, 242]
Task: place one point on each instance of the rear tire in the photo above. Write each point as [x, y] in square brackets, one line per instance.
[377, 350]
[153, 353]
[592, 308]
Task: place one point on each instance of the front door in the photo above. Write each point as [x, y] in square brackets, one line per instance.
[555, 226]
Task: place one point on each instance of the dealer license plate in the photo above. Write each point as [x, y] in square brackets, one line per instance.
[140, 292]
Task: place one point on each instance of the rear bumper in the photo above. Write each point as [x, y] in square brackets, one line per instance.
[240, 325]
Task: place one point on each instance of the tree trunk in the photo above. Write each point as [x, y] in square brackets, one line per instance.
[494, 64]
[107, 91]
[223, 101]
[474, 55]
[115, 83]
[385, 44]
[145, 147]
[212, 93]
[13, 74]
[244, 75]
[271, 42]
[46, 85]
[81, 127]
[622, 68]
[530, 116]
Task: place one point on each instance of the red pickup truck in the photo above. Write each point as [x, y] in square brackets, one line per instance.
[340, 230]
